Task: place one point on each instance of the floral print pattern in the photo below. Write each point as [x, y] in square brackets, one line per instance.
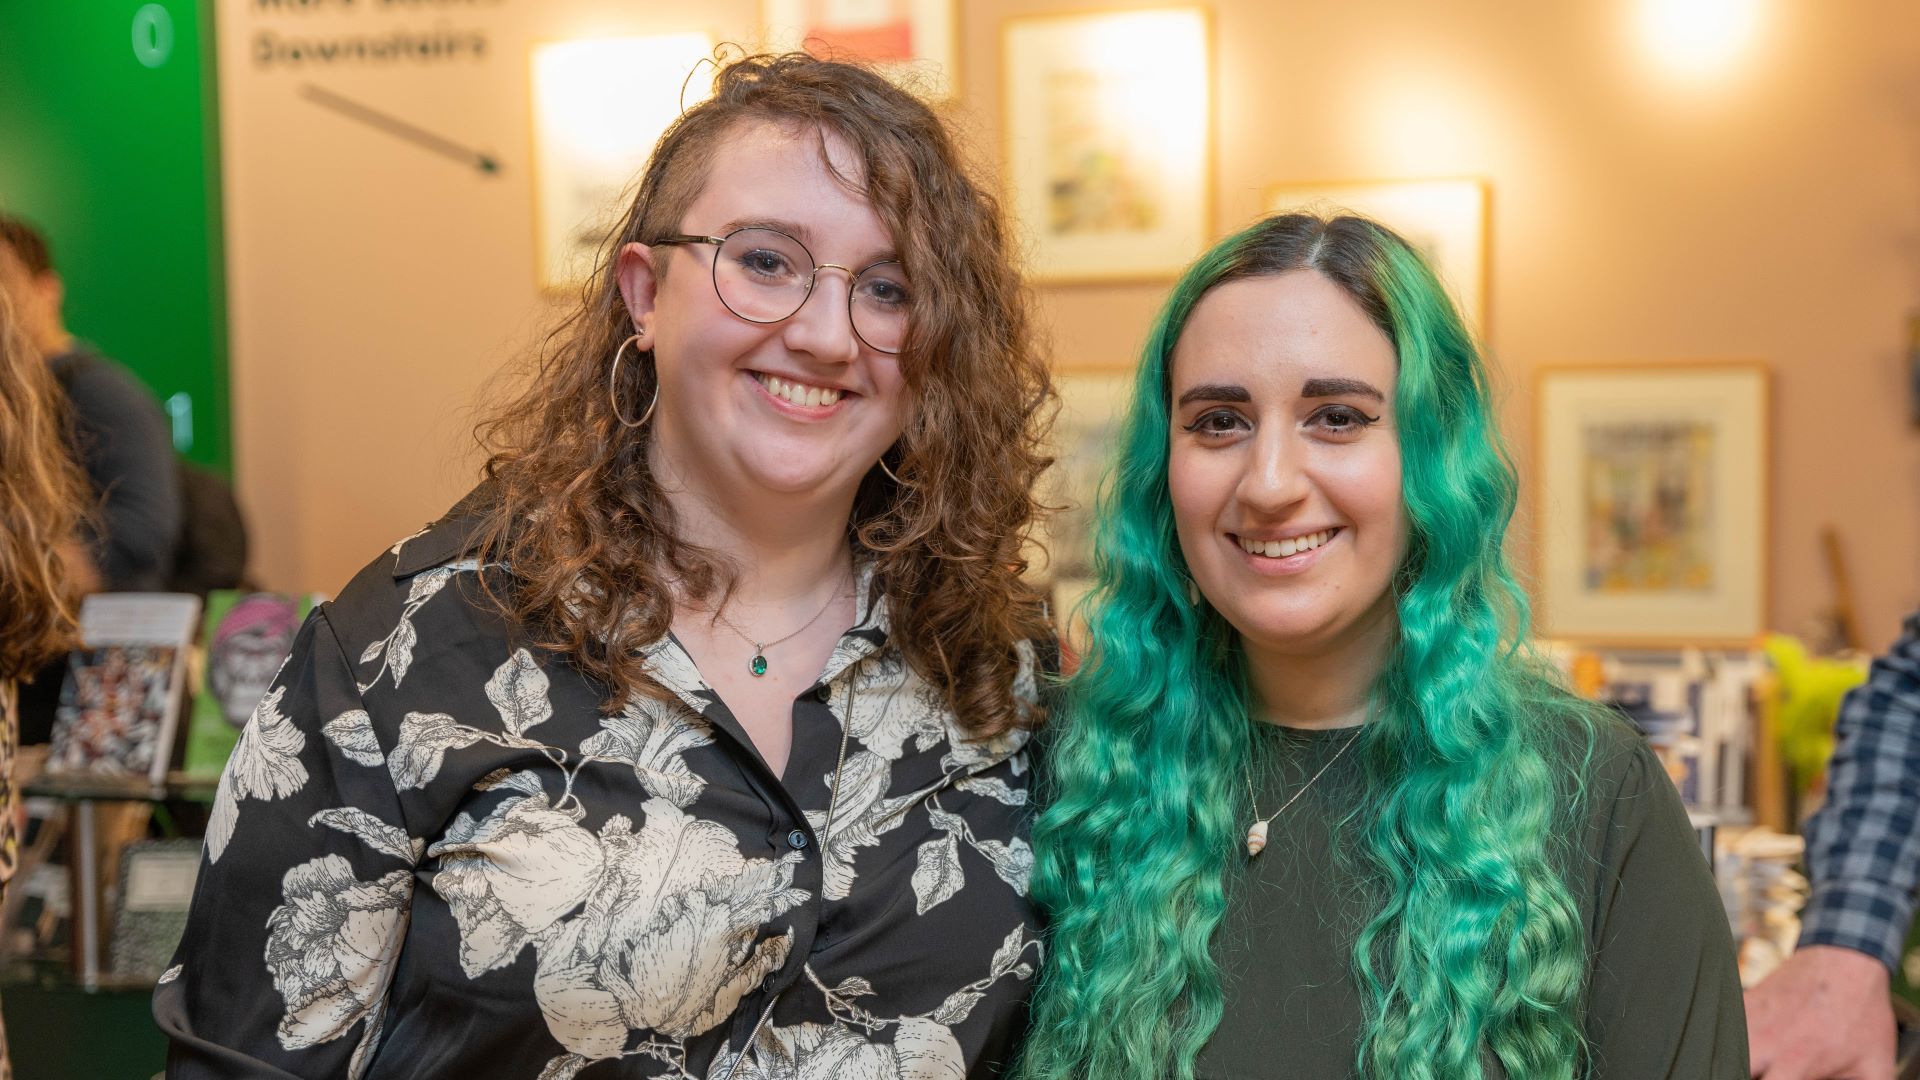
[265, 765]
[654, 738]
[440, 823]
[923, 1047]
[511, 877]
[668, 942]
[330, 947]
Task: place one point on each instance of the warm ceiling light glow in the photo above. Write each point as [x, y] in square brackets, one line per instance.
[1698, 37]
[1422, 121]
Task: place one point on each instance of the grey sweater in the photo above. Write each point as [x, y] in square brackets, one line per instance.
[124, 445]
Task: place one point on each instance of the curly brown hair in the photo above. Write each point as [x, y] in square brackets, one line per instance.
[947, 540]
[42, 496]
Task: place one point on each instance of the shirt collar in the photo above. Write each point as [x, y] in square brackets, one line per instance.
[456, 533]
[670, 665]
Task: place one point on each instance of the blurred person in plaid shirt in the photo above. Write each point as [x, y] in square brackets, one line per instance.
[1826, 1014]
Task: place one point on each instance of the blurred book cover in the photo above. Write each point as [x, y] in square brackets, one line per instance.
[120, 704]
[246, 636]
[1695, 708]
[150, 911]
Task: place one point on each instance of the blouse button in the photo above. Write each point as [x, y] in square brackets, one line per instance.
[796, 840]
[824, 694]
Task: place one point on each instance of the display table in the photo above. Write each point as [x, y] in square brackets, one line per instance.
[84, 793]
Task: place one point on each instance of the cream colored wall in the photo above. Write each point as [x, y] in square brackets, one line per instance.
[1771, 213]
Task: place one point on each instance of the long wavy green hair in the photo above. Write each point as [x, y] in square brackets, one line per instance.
[1474, 950]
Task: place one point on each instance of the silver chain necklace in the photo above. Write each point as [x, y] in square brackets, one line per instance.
[1257, 833]
[758, 665]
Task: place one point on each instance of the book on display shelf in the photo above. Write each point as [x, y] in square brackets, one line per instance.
[154, 891]
[120, 703]
[245, 638]
[1696, 709]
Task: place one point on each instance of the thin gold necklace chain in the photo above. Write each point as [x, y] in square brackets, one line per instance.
[1254, 799]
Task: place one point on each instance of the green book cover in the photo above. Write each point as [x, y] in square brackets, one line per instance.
[246, 637]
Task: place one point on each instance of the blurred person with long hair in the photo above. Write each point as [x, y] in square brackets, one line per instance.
[692, 743]
[120, 438]
[117, 436]
[1314, 809]
[41, 504]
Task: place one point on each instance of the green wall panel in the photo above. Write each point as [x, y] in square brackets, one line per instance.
[109, 142]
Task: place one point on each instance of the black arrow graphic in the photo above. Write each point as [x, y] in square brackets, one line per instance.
[400, 128]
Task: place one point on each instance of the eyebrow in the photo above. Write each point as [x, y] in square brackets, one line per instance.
[1318, 388]
[795, 229]
[799, 231]
[1215, 392]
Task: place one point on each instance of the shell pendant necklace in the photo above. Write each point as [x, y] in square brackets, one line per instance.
[1257, 833]
[758, 666]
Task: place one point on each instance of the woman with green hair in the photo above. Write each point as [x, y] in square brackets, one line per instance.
[1315, 809]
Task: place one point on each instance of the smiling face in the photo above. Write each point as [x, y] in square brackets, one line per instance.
[798, 407]
[1284, 466]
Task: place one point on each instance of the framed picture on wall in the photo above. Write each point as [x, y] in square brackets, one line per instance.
[599, 105]
[913, 42]
[1093, 403]
[1447, 220]
[1652, 491]
[1107, 120]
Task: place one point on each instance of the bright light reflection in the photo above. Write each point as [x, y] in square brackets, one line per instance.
[1172, 100]
[599, 105]
[1109, 139]
[1698, 37]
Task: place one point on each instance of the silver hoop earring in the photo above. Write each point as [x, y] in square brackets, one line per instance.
[613, 379]
[883, 468]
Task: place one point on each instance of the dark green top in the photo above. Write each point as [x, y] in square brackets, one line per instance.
[1664, 997]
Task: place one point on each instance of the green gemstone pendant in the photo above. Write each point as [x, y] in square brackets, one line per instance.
[758, 666]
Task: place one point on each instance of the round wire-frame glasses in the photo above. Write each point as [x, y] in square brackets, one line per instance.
[764, 275]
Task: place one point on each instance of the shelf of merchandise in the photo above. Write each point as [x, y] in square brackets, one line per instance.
[85, 792]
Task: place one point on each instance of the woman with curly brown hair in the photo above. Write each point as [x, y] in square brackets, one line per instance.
[692, 743]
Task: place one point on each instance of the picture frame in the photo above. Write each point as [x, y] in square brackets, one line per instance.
[599, 106]
[1093, 404]
[1449, 220]
[1653, 484]
[1108, 124]
[916, 43]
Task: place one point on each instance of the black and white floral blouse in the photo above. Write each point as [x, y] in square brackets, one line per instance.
[433, 856]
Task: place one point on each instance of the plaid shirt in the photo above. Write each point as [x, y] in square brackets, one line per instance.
[1863, 846]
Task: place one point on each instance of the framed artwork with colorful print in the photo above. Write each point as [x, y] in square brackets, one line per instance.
[912, 42]
[1652, 484]
[1108, 122]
